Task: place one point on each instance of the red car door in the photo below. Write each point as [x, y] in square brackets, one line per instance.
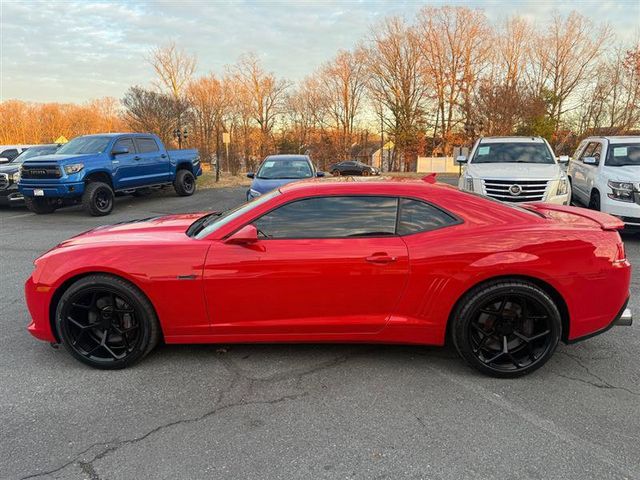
[346, 275]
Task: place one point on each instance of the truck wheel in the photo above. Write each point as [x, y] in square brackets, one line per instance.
[40, 206]
[98, 199]
[185, 183]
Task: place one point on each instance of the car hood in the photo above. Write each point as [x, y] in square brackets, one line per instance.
[52, 157]
[628, 173]
[163, 229]
[519, 171]
[263, 185]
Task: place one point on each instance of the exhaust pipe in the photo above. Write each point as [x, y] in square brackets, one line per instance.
[626, 319]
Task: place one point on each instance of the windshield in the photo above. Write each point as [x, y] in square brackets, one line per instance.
[212, 222]
[34, 152]
[513, 153]
[276, 169]
[83, 145]
[623, 155]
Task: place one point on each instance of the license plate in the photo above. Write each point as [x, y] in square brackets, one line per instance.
[38, 192]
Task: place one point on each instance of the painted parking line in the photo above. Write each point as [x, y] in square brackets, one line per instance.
[21, 215]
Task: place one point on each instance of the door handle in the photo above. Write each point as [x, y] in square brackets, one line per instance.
[136, 157]
[380, 258]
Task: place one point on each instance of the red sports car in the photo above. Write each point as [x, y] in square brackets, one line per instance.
[344, 260]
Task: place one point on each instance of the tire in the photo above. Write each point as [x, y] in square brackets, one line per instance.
[594, 201]
[517, 339]
[366, 173]
[98, 199]
[40, 206]
[125, 330]
[185, 183]
[336, 173]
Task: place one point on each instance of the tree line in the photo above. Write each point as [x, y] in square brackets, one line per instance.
[421, 86]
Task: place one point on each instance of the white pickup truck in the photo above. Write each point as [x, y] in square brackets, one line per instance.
[515, 169]
[605, 175]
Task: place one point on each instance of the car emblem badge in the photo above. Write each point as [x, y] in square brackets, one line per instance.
[515, 190]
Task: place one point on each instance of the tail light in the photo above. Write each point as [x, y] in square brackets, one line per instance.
[621, 257]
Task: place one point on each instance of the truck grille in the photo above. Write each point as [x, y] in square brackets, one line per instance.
[40, 171]
[515, 191]
[4, 181]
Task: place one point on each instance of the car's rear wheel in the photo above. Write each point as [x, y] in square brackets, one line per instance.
[506, 328]
[106, 322]
[40, 206]
[336, 173]
[185, 183]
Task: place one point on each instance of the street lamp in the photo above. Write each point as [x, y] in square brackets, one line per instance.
[180, 135]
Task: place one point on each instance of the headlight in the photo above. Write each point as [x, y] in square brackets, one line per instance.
[468, 183]
[254, 193]
[563, 186]
[622, 191]
[15, 178]
[73, 168]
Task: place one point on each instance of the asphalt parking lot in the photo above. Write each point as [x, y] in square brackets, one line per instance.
[300, 411]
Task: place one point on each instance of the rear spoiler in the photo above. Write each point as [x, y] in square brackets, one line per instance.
[606, 221]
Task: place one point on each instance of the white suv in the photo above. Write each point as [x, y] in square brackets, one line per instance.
[605, 175]
[515, 169]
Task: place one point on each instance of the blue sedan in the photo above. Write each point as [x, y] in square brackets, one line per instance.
[278, 170]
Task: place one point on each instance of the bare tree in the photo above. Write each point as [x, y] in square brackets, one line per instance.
[564, 57]
[455, 45]
[395, 67]
[343, 81]
[264, 94]
[174, 68]
[209, 102]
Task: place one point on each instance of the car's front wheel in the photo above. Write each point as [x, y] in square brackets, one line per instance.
[98, 199]
[106, 322]
[506, 328]
[40, 206]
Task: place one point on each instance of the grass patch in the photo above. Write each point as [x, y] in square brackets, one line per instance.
[208, 180]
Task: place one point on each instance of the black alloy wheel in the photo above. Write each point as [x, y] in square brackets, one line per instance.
[98, 199]
[185, 183]
[106, 322]
[508, 329]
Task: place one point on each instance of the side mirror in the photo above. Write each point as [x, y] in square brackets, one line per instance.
[119, 151]
[4, 160]
[563, 158]
[319, 174]
[590, 160]
[461, 159]
[245, 236]
[251, 175]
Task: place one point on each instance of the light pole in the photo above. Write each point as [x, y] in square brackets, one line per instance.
[180, 135]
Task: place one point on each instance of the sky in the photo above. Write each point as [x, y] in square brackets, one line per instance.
[73, 51]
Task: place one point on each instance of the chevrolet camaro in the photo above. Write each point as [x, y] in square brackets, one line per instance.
[343, 260]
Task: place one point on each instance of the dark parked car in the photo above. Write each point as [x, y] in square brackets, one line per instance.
[9, 173]
[353, 167]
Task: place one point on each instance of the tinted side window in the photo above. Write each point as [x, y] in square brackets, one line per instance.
[126, 143]
[416, 216]
[331, 217]
[146, 145]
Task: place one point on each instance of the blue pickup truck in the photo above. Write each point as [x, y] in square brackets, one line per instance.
[92, 169]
